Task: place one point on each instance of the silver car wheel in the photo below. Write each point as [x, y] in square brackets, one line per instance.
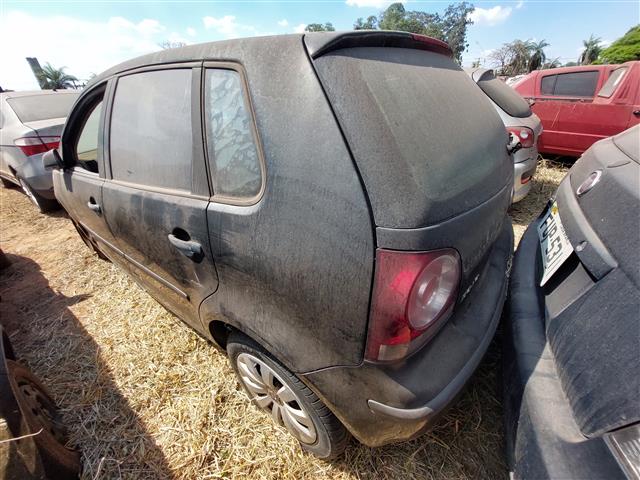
[269, 392]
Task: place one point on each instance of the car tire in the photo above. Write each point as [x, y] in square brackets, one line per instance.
[298, 409]
[41, 415]
[44, 205]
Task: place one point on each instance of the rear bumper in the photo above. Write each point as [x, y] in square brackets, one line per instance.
[386, 404]
[542, 437]
[34, 173]
[524, 170]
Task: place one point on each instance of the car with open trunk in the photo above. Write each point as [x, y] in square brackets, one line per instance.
[329, 209]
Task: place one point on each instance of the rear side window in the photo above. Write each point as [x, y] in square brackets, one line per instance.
[612, 82]
[231, 140]
[504, 96]
[547, 84]
[427, 141]
[575, 84]
[42, 107]
[87, 146]
[150, 141]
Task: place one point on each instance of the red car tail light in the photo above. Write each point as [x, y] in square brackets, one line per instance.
[524, 135]
[412, 293]
[34, 145]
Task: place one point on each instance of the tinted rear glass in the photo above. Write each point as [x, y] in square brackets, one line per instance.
[42, 107]
[577, 84]
[504, 96]
[427, 141]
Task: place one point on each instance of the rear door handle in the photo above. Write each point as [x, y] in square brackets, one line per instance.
[94, 206]
[188, 248]
[636, 113]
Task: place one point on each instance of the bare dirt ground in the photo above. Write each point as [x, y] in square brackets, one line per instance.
[145, 397]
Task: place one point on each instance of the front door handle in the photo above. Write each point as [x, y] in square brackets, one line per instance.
[636, 113]
[94, 206]
[188, 248]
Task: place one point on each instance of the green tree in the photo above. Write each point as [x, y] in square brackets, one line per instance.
[625, 49]
[55, 78]
[571, 64]
[318, 27]
[450, 27]
[591, 52]
[555, 63]
[538, 57]
[371, 23]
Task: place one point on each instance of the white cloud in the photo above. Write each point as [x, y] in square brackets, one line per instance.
[371, 3]
[490, 16]
[300, 28]
[283, 22]
[83, 46]
[228, 27]
[191, 31]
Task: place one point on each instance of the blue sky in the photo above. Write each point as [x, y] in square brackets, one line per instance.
[90, 36]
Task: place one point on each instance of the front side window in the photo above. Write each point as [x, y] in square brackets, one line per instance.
[86, 150]
[150, 140]
[231, 142]
[612, 82]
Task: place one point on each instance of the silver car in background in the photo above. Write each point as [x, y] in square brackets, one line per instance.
[523, 125]
[30, 125]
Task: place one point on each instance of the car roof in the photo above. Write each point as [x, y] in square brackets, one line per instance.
[31, 93]
[317, 44]
[577, 68]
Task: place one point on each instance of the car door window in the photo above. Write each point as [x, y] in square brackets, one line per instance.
[577, 84]
[150, 140]
[612, 82]
[231, 139]
[86, 147]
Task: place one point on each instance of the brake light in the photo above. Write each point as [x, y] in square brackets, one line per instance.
[524, 135]
[34, 145]
[412, 293]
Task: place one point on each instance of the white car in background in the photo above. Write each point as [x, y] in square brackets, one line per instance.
[30, 125]
[523, 125]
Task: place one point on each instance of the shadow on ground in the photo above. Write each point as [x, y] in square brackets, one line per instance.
[70, 365]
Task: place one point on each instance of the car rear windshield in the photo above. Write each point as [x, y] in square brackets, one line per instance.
[428, 143]
[32, 108]
[504, 96]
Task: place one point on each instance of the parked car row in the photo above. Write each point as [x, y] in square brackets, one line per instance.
[330, 209]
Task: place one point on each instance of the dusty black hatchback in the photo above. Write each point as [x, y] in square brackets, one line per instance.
[330, 209]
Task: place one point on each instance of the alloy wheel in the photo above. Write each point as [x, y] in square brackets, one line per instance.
[270, 393]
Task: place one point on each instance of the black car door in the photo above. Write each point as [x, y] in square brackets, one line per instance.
[78, 185]
[156, 198]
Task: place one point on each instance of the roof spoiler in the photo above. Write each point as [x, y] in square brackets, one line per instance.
[319, 44]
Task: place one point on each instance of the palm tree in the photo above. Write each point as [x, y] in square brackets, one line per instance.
[555, 63]
[56, 78]
[592, 49]
[538, 56]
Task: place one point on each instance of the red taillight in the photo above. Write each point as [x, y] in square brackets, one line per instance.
[524, 135]
[34, 145]
[412, 293]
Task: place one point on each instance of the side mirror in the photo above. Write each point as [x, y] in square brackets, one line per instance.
[51, 159]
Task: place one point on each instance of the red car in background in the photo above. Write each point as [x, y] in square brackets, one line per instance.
[580, 105]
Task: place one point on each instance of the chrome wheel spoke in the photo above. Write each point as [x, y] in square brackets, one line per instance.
[271, 393]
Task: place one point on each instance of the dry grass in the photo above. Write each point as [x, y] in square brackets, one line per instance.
[145, 397]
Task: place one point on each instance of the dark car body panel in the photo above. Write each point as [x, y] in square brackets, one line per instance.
[292, 267]
[571, 351]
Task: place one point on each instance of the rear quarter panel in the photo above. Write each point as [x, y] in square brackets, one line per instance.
[295, 269]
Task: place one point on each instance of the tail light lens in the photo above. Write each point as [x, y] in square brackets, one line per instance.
[412, 294]
[34, 145]
[524, 135]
